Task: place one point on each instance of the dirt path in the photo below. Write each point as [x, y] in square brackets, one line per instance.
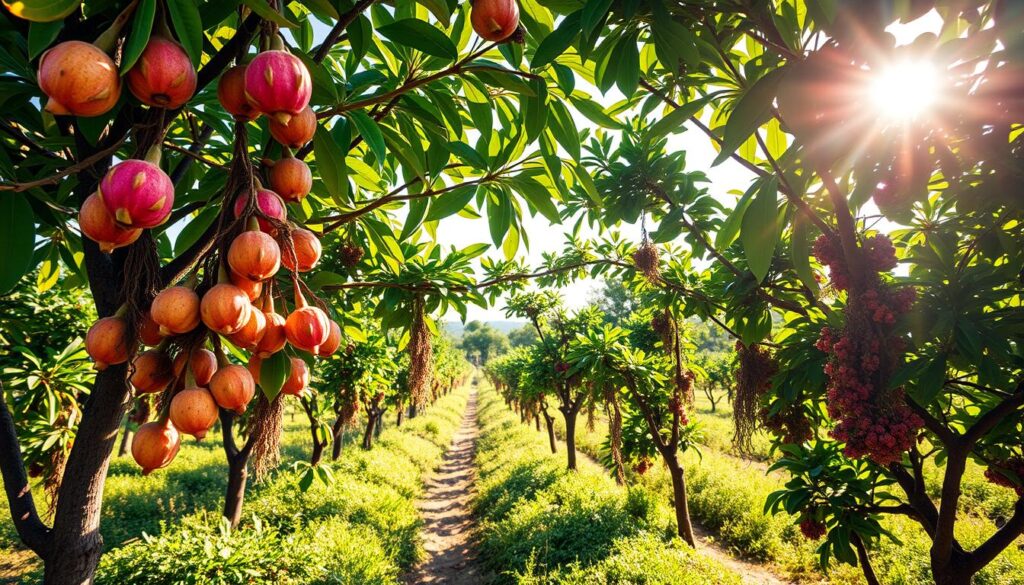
[446, 514]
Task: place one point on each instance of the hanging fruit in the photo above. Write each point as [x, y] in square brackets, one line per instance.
[274, 336]
[175, 310]
[202, 365]
[495, 20]
[307, 327]
[333, 341]
[153, 371]
[298, 378]
[107, 341]
[252, 289]
[307, 249]
[249, 337]
[163, 76]
[99, 226]
[137, 192]
[232, 387]
[231, 94]
[291, 178]
[225, 308]
[268, 202]
[149, 330]
[193, 411]
[79, 79]
[155, 444]
[297, 131]
[254, 255]
[278, 84]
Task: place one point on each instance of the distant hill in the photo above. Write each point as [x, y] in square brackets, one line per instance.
[455, 327]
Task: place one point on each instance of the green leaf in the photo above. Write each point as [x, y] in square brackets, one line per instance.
[324, 8]
[731, 227]
[17, 239]
[760, 233]
[673, 42]
[370, 132]
[931, 380]
[593, 12]
[261, 8]
[415, 33]
[535, 110]
[274, 371]
[440, 10]
[195, 228]
[800, 252]
[467, 153]
[538, 195]
[451, 202]
[142, 26]
[626, 58]
[595, 113]
[330, 163]
[675, 120]
[564, 129]
[499, 215]
[558, 41]
[41, 10]
[752, 109]
[189, 27]
[41, 35]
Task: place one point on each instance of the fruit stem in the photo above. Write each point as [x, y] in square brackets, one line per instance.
[300, 301]
[121, 311]
[253, 225]
[222, 359]
[277, 43]
[154, 154]
[223, 276]
[286, 152]
[192, 281]
[160, 28]
[108, 39]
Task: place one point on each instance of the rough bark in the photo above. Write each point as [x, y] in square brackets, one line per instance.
[371, 422]
[570, 437]
[337, 431]
[864, 560]
[679, 500]
[238, 475]
[549, 421]
[126, 442]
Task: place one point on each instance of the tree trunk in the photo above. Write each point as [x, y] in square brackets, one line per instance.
[238, 474]
[126, 442]
[338, 431]
[368, 435]
[536, 422]
[679, 500]
[412, 410]
[399, 415]
[549, 421]
[570, 437]
[865, 560]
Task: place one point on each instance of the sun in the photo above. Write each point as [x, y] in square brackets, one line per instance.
[905, 90]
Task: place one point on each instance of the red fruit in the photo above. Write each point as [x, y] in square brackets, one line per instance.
[149, 331]
[153, 371]
[277, 83]
[252, 289]
[254, 255]
[225, 309]
[297, 131]
[233, 387]
[80, 80]
[163, 76]
[298, 379]
[137, 193]
[107, 342]
[254, 366]
[495, 20]
[269, 203]
[333, 341]
[250, 335]
[99, 226]
[231, 93]
[193, 411]
[155, 444]
[307, 249]
[175, 310]
[291, 179]
[203, 364]
[274, 337]
[307, 328]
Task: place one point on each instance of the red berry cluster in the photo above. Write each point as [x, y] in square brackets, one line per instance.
[676, 406]
[873, 420]
[790, 423]
[1015, 465]
[642, 466]
[812, 529]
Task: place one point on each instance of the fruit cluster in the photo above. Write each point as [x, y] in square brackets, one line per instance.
[812, 529]
[872, 419]
[997, 474]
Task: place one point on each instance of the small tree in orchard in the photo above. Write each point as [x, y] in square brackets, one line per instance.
[714, 376]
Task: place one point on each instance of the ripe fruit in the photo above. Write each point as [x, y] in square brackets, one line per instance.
[175, 310]
[254, 255]
[291, 178]
[225, 309]
[307, 250]
[254, 366]
[203, 364]
[193, 411]
[495, 20]
[250, 335]
[274, 337]
[155, 444]
[297, 131]
[99, 226]
[333, 341]
[298, 378]
[269, 203]
[149, 331]
[107, 342]
[252, 289]
[307, 328]
[231, 93]
[153, 371]
[80, 80]
[232, 387]
[163, 76]
[277, 83]
[137, 193]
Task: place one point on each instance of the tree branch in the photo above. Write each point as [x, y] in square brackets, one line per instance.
[30, 528]
[998, 542]
[70, 170]
[343, 21]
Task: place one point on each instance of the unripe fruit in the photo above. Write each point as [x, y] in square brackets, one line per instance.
[175, 310]
[231, 93]
[203, 364]
[193, 411]
[232, 387]
[307, 328]
[269, 203]
[107, 342]
[149, 331]
[495, 20]
[277, 83]
[254, 255]
[137, 193]
[99, 226]
[155, 444]
[249, 336]
[307, 250]
[297, 132]
[153, 371]
[298, 378]
[163, 76]
[333, 341]
[274, 337]
[80, 80]
[291, 179]
[252, 289]
[225, 309]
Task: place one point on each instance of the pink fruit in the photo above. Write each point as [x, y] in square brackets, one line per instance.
[495, 20]
[137, 193]
[307, 328]
[80, 80]
[269, 203]
[163, 76]
[99, 226]
[277, 83]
